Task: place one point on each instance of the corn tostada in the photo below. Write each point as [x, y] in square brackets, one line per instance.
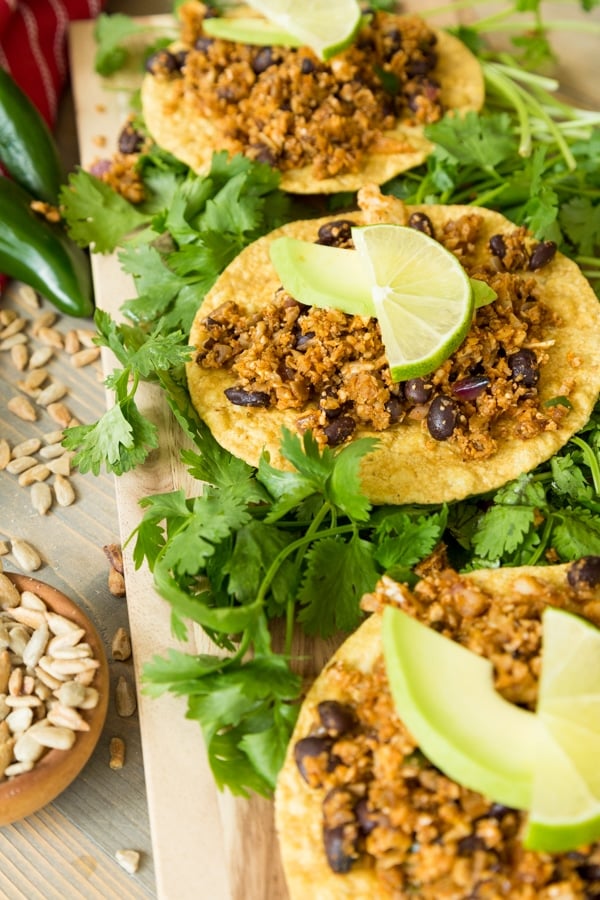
[524, 380]
[328, 126]
[362, 813]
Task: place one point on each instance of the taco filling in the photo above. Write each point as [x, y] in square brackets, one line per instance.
[387, 822]
[332, 367]
[286, 107]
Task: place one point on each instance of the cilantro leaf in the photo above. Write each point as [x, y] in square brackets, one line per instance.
[110, 33]
[473, 139]
[337, 575]
[96, 216]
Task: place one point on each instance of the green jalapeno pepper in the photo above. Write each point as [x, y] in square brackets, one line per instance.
[27, 148]
[41, 255]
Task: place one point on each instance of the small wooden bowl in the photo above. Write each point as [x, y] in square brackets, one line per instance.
[22, 795]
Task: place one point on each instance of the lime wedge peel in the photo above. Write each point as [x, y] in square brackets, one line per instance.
[419, 292]
[544, 762]
[326, 27]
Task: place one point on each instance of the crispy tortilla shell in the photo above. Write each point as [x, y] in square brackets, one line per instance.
[193, 139]
[298, 812]
[408, 466]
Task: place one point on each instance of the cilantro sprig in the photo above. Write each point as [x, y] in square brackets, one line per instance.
[258, 547]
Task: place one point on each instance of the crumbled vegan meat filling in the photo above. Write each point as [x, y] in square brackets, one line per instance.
[332, 366]
[286, 107]
[424, 834]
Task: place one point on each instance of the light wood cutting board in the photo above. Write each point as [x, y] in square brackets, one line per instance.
[205, 844]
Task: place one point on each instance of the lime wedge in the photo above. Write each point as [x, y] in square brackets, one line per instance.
[422, 296]
[419, 292]
[565, 806]
[326, 27]
[258, 32]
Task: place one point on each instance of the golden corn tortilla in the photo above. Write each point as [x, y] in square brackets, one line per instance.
[408, 466]
[298, 816]
[193, 139]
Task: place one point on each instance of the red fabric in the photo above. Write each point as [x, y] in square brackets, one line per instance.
[33, 45]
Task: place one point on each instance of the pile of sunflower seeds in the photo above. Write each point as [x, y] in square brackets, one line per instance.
[46, 674]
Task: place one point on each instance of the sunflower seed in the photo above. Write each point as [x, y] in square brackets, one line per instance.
[128, 860]
[4, 453]
[38, 472]
[125, 700]
[35, 379]
[19, 719]
[52, 393]
[51, 451]
[40, 356]
[9, 595]
[71, 693]
[85, 357]
[56, 736]
[117, 753]
[63, 491]
[121, 645]
[44, 320]
[26, 555]
[26, 448]
[13, 341]
[60, 414]
[34, 650]
[18, 324]
[41, 497]
[51, 337]
[19, 355]
[22, 408]
[20, 464]
[19, 768]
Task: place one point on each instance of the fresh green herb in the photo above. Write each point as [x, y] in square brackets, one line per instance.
[255, 547]
[115, 34]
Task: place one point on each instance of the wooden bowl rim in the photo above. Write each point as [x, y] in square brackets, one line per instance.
[22, 795]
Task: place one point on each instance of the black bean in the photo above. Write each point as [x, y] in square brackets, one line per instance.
[470, 387]
[467, 845]
[417, 390]
[442, 418]
[162, 60]
[310, 747]
[339, 430]
[240, 397]
[307, 66]
[264, 154]
[422, 66]
[335, 232]
[203, 44]
[393, 408]
[524, 367]
[367, 820]
[584, 572]
[497, 246]
[335, 842]
[589, 872]
[336, 718]
[542, 254]
[498, 811]
[263, 60]
[303, 340]
[421, 222]
[130, 140]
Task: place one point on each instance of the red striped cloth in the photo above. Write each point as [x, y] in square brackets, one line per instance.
[33, 45]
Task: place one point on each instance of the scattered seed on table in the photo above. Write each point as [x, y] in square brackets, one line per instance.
[27, 556]
[55, 391]
[26, 448]
[45, 319]
[60, 413]
[72, 342]
[125, 700]
[19, 355]
[13, 341]
[5, 453]
[61, 465]
[121, 645]
[128, 860]
[116, 583]
[17, 325]
[39, 472]
[63, 491]
[22, 408]
[117, 753]
[85, 357]
[20, 464]
[51, 337]
[35, 379]
[41, 497]
[51, 451]
[40, 357]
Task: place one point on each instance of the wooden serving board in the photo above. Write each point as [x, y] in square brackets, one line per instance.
[204, 843]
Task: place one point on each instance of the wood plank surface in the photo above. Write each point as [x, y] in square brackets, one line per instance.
[204, 843]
